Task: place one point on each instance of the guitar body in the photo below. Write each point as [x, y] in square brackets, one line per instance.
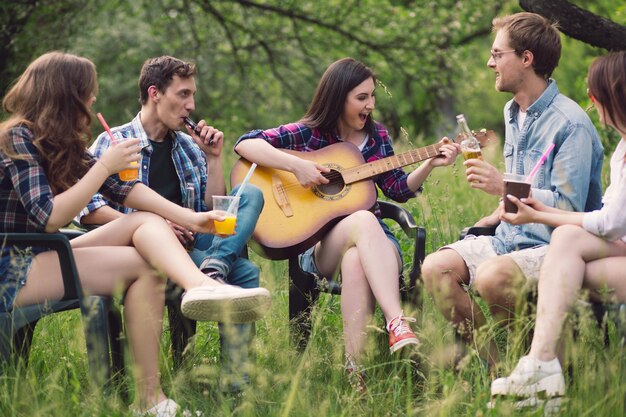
[294, 218]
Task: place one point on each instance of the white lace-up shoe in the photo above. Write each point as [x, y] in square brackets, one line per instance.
[166, 408]
[225, 303]
[532, 378]
[550, 406]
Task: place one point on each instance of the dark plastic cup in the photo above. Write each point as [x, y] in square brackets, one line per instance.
[516, 185]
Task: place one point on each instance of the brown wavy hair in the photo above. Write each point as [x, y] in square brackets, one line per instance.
[51, 99]
[606, 80]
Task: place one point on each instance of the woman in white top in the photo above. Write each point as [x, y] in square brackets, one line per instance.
[587, 250]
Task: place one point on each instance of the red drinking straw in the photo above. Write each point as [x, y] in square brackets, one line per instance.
[106, 127]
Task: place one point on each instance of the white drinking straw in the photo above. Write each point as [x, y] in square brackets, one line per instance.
[544, 156]
[241, 187]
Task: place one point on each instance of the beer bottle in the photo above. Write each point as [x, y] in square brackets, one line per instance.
[469, 144]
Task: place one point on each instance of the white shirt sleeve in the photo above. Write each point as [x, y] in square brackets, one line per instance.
[610, 221]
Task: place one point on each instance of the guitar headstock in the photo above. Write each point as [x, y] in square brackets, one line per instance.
[485, 137]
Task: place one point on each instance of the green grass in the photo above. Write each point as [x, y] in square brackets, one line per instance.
[286, 383]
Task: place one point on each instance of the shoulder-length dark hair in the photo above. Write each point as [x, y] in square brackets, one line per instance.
[606, 81]
[330, 96]
[51, 99]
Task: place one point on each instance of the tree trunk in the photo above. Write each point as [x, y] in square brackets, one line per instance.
[580, 24]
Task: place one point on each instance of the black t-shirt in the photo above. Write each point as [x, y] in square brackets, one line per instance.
[162, 176]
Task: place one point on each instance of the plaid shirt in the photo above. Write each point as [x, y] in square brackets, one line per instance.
[299, 137]
[26, 199]
[189, 161]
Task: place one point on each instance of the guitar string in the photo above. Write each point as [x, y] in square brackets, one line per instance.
[336, 175]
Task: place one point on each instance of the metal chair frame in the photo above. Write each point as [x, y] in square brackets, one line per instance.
[101, 320]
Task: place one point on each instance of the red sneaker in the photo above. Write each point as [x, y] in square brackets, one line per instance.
[400, 333]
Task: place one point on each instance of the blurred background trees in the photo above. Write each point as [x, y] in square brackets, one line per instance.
[259, 60]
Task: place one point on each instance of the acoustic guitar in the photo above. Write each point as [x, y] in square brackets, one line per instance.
[294, 218]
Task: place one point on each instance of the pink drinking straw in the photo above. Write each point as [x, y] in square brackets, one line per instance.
[106, 127]
[544, 156]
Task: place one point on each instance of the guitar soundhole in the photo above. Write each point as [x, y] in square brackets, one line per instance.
[335, 189]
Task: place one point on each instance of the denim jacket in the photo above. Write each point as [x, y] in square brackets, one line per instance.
[570, 177]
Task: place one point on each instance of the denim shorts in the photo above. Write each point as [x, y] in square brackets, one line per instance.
[307, 258]
[14, 267]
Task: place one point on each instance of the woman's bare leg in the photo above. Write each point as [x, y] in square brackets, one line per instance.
[604, 278]
[143, 311]
[357, 304]
[561, 278]
[379, 259]
[107, 271]
[154, 240]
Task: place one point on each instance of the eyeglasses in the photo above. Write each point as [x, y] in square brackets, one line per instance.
[496, 55]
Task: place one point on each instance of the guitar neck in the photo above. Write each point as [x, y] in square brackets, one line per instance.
[372, 169]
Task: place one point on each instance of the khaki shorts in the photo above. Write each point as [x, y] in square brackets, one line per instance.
[477, 249]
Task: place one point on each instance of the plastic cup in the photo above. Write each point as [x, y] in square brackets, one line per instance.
[228, 205]
[514, 184]
[190, 203]
[130, 174]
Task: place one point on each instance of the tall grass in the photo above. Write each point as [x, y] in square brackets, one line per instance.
[287, 383]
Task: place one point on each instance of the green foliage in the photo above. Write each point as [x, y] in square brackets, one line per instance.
[29, 28]
[258, 64]
[285, 383]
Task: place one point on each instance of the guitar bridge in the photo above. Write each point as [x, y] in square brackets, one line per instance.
[280, 196]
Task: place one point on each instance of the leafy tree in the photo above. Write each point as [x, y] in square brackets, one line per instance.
[259, 61]
[581, 24]
[29, 28]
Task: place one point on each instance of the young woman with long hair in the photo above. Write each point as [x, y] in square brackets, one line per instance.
[47, 176]
[360, 245]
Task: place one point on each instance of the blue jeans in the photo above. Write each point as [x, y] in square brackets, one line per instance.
[225, 256]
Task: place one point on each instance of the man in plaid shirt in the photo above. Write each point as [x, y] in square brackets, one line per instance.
[186, 168]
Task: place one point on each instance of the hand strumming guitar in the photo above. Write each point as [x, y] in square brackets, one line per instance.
[309, 173]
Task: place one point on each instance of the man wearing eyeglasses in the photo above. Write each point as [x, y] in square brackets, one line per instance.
[524, 54]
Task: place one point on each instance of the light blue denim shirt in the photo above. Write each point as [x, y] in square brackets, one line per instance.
[570, 177]
[189, 161]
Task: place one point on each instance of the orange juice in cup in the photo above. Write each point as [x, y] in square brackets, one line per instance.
[127, 174]
[226, 226]
[130, 174]
[228, 206]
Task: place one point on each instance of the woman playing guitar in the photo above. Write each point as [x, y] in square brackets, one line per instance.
[360, 246]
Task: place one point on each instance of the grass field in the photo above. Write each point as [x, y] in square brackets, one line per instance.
[287, 383]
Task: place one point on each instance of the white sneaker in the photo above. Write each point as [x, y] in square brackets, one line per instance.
[225, 303]
[532, 378]
[550, 406]
[166, 408]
